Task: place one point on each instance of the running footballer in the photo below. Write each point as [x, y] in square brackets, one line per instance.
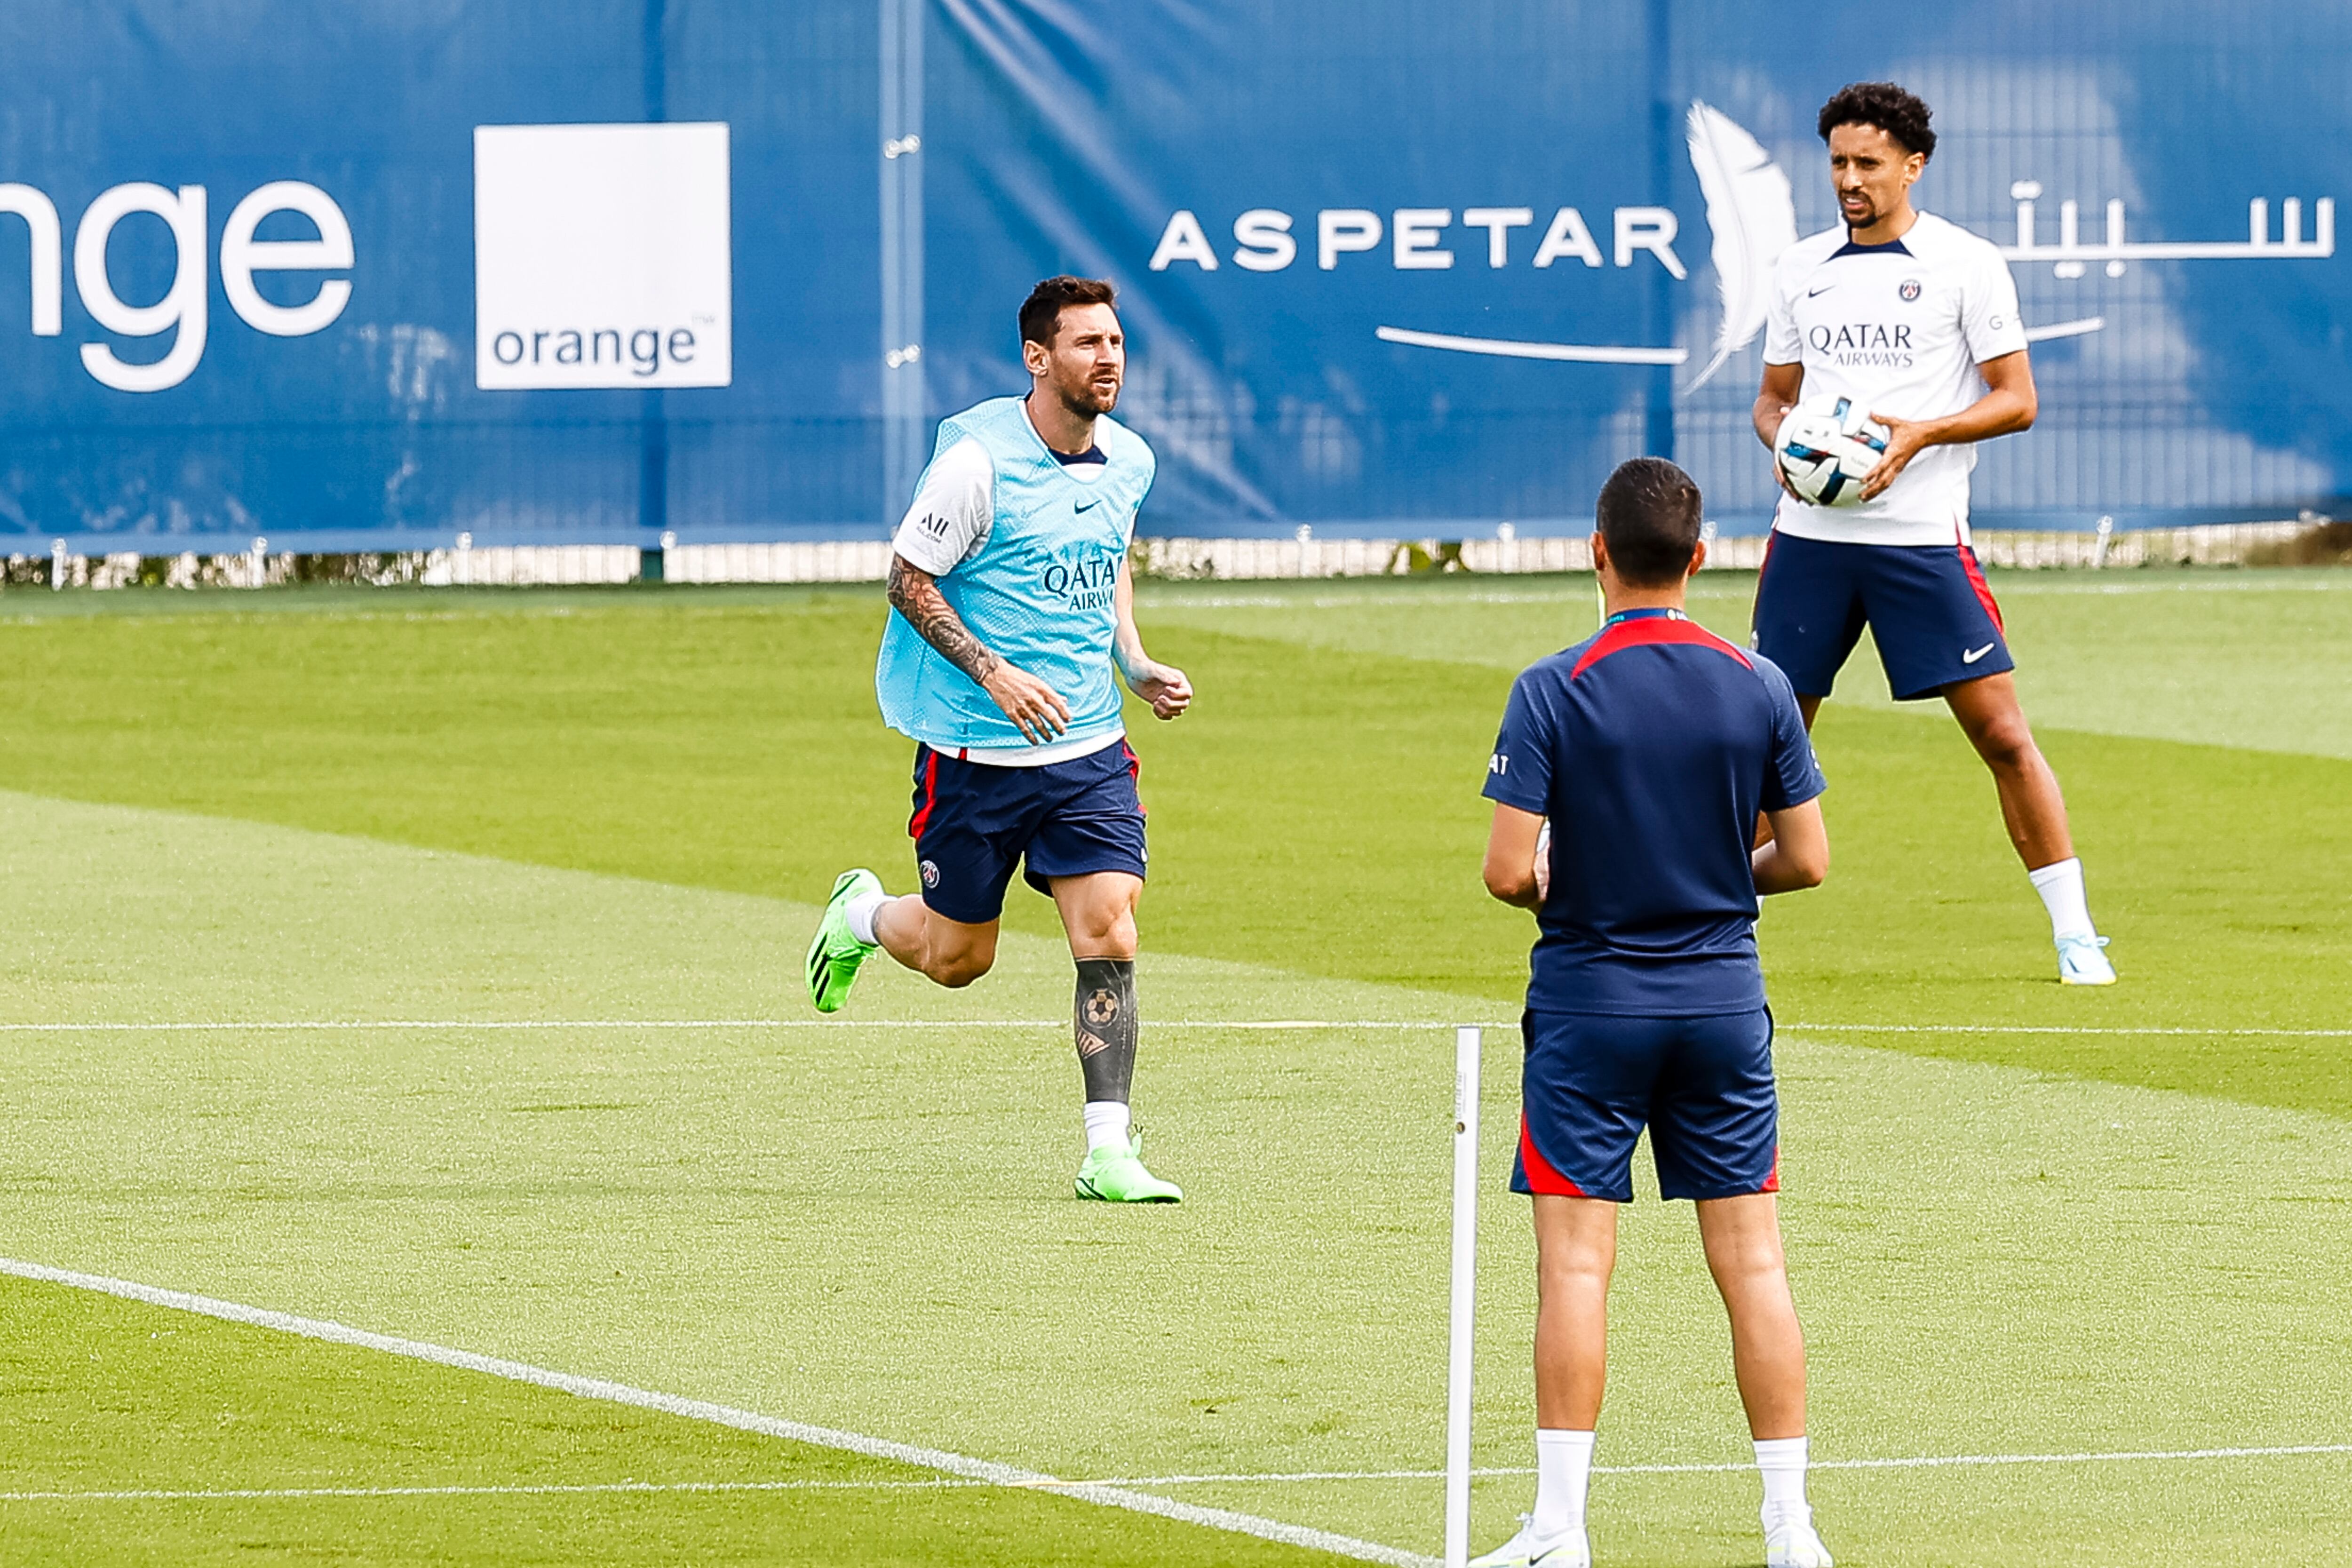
[1011, 606]
[1915, 320]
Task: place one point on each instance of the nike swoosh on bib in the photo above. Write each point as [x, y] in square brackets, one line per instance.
[1975, 654]
[1083, 505]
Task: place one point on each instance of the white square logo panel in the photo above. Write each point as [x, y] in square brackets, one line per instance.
[602, 257]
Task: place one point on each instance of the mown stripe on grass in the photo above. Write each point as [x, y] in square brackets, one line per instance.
[987, 1471]
[1911, 1462]
[1906, 1462]
[551, 1489]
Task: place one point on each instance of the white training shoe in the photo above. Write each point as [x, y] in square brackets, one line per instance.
[2080, 962]
[1792, 1543]
[1529, 1549]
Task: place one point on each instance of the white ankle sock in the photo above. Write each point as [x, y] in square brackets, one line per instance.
[2060, 884]
[1563, 1468]
[860, 911]
[1782, 1462]
[1106, 1124]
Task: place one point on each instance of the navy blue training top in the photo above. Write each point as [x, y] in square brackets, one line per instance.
[1651, 746]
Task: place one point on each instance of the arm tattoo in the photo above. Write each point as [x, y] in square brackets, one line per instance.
[915, 594]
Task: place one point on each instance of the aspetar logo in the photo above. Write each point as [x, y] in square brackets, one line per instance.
[602, 257]
[1416, 238]
[183, 316]
[1751, 217]
[1749, 210]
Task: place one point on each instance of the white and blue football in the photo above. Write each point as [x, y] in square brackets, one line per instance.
[1825, 450]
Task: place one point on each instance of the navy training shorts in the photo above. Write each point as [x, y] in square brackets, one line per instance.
[1703, 1086]
[974, 820]
[1928, 607]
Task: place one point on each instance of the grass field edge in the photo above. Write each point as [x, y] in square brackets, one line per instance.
[966, 1467]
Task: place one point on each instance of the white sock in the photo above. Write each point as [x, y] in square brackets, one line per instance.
[2061, 887]
[1563, 1468]
[1106, 1124]
[860, 911]
[1782, 1462]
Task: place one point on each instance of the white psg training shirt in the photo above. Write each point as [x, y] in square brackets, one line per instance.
[1900, 329]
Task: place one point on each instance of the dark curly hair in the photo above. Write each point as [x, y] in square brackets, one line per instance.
[1881, 103]
[1041, 313]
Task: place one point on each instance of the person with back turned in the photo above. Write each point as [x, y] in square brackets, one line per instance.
[1627, 782]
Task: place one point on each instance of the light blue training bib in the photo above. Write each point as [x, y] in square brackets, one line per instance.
[1038, 591]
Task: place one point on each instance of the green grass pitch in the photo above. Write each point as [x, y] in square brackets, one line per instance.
[2023, 1222]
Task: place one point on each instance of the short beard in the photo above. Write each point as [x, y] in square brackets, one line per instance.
[1083, 401]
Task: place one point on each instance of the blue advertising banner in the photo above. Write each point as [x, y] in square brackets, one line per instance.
[412, 378]
[366, 275]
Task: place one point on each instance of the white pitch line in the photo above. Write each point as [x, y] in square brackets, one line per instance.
[334, 1025]
[1279, 1478]
[976, 1470]
[581, 1488]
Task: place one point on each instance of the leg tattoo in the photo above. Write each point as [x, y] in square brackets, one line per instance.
[1106, 1027]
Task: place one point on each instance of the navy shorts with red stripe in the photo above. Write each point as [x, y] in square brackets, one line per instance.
[1702, 1085]
[973, 821]
[1927, 607]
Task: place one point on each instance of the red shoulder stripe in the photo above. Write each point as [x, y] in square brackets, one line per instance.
[1647, 632]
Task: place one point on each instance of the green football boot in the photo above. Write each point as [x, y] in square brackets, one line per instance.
[1117, 1176]
[834, 953]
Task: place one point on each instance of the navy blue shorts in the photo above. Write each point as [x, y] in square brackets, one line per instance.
[1927, 608]
[1703, 1086]
[974, 820]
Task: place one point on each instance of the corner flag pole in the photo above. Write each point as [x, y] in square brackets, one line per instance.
[1464, 1296]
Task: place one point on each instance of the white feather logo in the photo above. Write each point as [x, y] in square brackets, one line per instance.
[1753, 219]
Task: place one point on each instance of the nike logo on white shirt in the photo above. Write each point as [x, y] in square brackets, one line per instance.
[1975, 654]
